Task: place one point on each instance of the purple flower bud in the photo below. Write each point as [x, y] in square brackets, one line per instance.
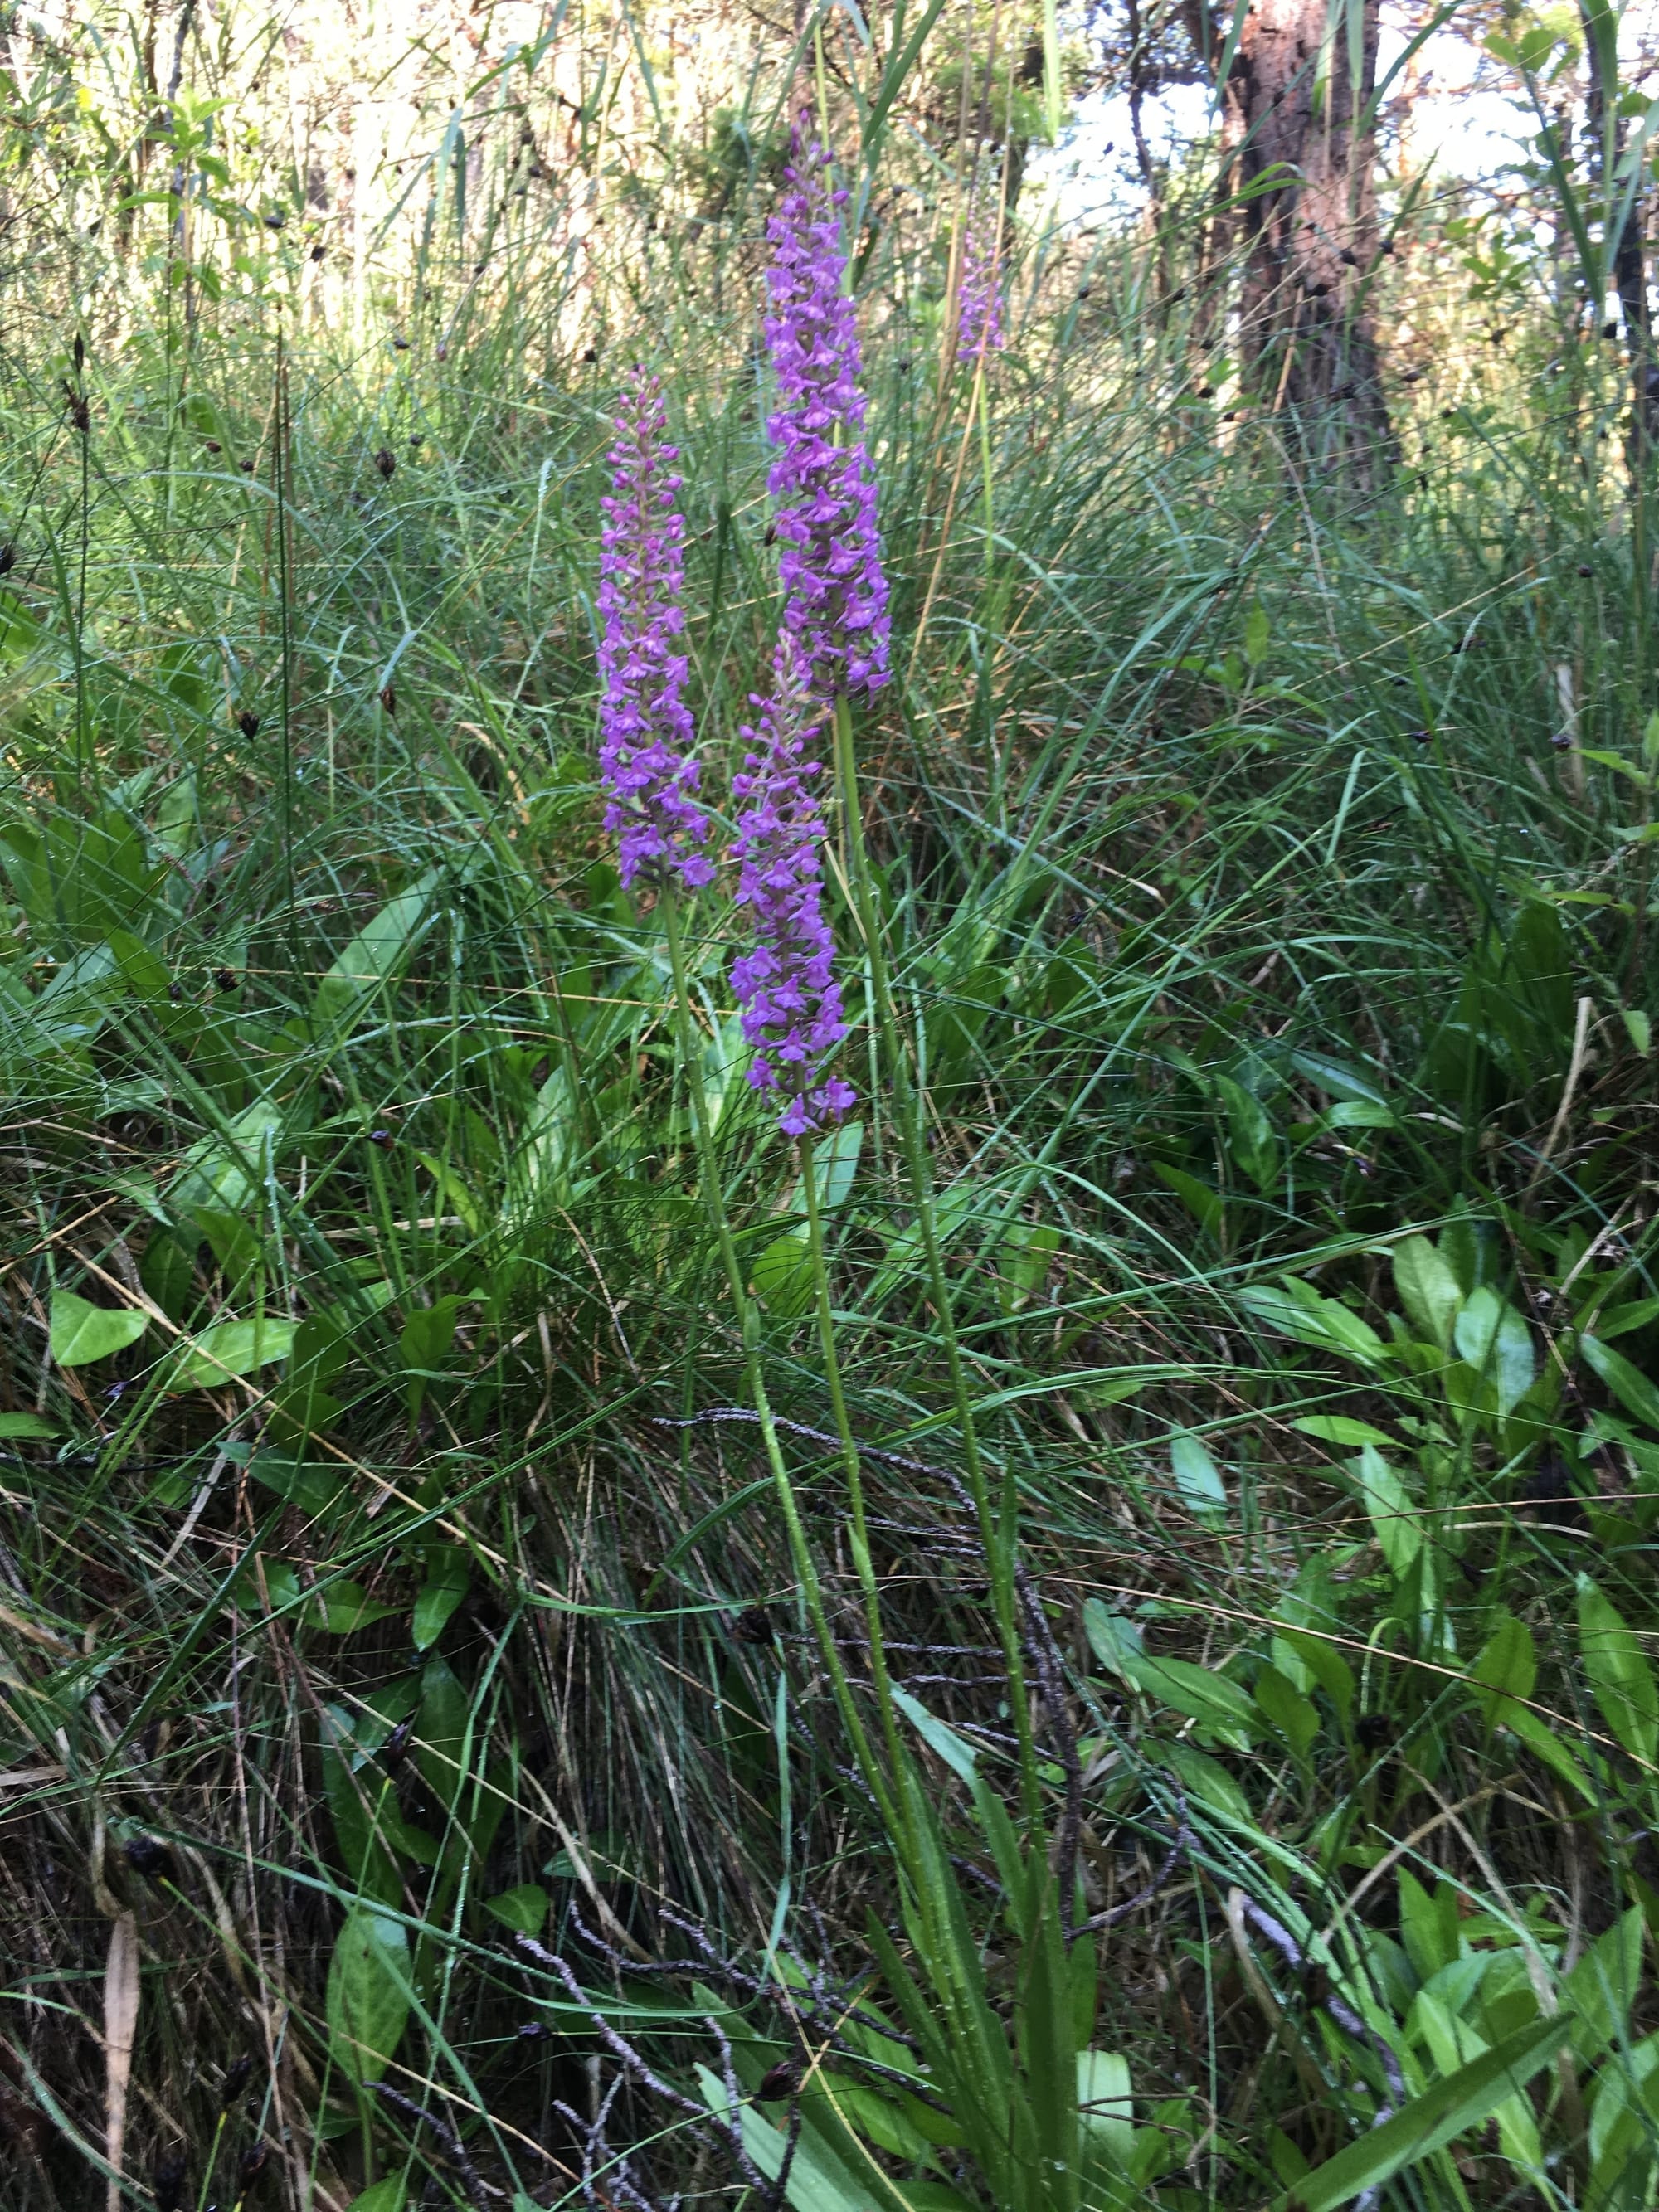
[787, 987]
[978, 308]
[645, 727]
[835, 588]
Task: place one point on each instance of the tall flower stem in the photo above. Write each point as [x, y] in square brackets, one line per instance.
[714, 1201]
[849, 1453]
[997, 1526]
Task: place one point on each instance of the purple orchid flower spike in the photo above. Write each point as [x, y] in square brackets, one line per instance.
[830, 568]
[979, 312]
[645, 725]
[786, 987]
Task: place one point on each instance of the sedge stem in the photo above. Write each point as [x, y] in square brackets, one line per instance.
[714, 1201]
[996, 1528]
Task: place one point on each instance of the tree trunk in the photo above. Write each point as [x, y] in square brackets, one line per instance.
[1629, 270]
[1310, 232]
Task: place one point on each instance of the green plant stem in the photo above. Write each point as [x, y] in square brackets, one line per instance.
[849, 1452]
[998, 1529]
[714, 1199]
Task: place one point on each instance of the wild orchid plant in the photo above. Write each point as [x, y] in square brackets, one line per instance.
[832, 645]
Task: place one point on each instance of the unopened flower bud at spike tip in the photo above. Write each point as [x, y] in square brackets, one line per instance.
[786, 985]
[830, 568]
[645, 725]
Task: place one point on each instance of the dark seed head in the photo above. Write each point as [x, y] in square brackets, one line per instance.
[388, 699]
[80, 353]
[254, 2162]
[780, 2081]
[319, 253]
[1421, 737]
[1585, 568]
[170, 2182]
[247, 467]
[1372, 1730]
[397, 1743]
[1562, 741]
[225, 978]
[212, 445]
[175, 992]
[590, 353]
[236, 2079]
[771, 533]
[148, 1856]
[386, 461]
[248, 722]
[275, 219]
[7, 560]
[383, 1137]
[754, 1626]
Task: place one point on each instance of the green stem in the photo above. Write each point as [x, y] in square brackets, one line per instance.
[715, 1199]
[997, 1529]
[849, 1453]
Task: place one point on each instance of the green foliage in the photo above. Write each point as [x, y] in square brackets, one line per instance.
[1289, 1203]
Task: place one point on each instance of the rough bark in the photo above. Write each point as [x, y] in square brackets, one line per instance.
[1629, 270]
[1309, 233]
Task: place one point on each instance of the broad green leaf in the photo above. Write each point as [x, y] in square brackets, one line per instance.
[1602, 1989]
[1628, 1384]
[1258, 634]
[1497, 1343]
[1197, 1477]
[389, 2194]
[1021, 1262]
[1619, 1672]
[1115, 1642]
[1453, 2042]
[17, 1427]
[376, 952]
[228, 1348]
[1506, 1669]
[818, 2180]
[1451, 2108]
[1336, 1077]
[1207, 1780]
[441, 1729]
[1106, 2109]
[1287, 1710]
[523, 1908]
[1213, 1700]
[1546, 1745]
[835, 1165]
[220, 1174]
[1324, 1662]
[1393, 1514]
[1203, 1204]
[1251, 1137]
[344, 1605]
[1427, 1289]
[781, 1275]
[956, 1753]
[448, 1576]
[367, 2001]
[1322, 1322]
[424, 1342]
[1339, 1428]
[81, 1331]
